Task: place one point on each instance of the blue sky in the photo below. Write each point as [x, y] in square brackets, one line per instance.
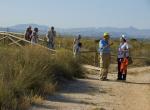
[76, 13]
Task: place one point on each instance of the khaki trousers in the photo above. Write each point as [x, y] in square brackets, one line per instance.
[104, 65]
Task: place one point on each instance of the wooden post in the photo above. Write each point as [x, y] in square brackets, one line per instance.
[4, 41]
[96, 60]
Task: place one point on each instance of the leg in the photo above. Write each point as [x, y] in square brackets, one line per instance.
[125, 75]
[53, 45]
[106, 73]
[104, 65]
[107, 59]
[119, 70]
[50, 45]
[74, 51]
[102, 70]
[103, 74]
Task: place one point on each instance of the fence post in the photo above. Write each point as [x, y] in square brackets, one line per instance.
[96, 60]
[5, 40]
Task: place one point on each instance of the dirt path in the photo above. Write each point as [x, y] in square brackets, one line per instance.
[92, 94]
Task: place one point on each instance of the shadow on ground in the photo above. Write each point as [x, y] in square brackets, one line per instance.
[130, 82]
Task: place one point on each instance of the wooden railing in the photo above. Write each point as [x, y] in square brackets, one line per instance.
[17, 40]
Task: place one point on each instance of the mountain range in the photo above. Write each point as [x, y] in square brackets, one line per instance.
[130, 32]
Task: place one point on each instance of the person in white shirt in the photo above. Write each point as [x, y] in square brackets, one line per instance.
[34, 36]
[77, 45]
[123, 52]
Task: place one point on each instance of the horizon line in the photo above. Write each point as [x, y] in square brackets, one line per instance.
[2, 26]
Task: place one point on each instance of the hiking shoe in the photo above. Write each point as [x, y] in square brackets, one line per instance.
[104, 79]
[119, 79]
[123, 79]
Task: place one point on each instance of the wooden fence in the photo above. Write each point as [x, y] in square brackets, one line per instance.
[19, 41]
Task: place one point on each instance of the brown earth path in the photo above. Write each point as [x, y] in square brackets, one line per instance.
[92, 94]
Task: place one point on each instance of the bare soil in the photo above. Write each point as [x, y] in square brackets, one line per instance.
[93, 94]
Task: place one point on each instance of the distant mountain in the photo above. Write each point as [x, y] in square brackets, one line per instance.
[3, 29]
[22, 28]
[115, 32]
[88, 32]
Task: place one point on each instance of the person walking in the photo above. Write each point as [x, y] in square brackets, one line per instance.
[123, 55]
[28, 33]
[77, 45]
[34, 36]
[105, 56]
[51, 38]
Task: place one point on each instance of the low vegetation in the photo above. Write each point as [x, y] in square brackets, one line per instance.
[139, 50]
[32, 72]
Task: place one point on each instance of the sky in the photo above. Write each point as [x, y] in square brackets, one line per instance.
[76, 13]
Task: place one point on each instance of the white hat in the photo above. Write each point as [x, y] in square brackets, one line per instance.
[124, 37]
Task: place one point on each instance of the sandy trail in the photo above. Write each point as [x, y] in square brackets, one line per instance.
[92, 94]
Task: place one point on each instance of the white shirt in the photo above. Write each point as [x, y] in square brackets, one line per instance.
[123, 50]
[34, 38]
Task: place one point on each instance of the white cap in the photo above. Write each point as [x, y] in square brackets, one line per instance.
[124, 37]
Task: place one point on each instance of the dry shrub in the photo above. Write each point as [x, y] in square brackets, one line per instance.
[68, 66]
[33, 70]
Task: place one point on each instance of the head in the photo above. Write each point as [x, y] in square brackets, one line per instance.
[106, 36]
[36, 29]
[79, 37]
[30, 27]
[52, 28]
[123, 39]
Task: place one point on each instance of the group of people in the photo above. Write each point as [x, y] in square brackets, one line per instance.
[33, 36]
[104, 50]
[105, 57]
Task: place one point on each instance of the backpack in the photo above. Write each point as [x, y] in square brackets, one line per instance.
[130, 61]
[80, 44]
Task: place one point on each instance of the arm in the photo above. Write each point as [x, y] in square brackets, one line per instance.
[74, 41]
[46, 36]
[25, 34]
[101, 45]
[110, 44]
[126, 48]
[55, 33]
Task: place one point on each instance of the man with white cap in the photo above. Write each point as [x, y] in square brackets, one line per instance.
[105, 56]
[123, 52]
